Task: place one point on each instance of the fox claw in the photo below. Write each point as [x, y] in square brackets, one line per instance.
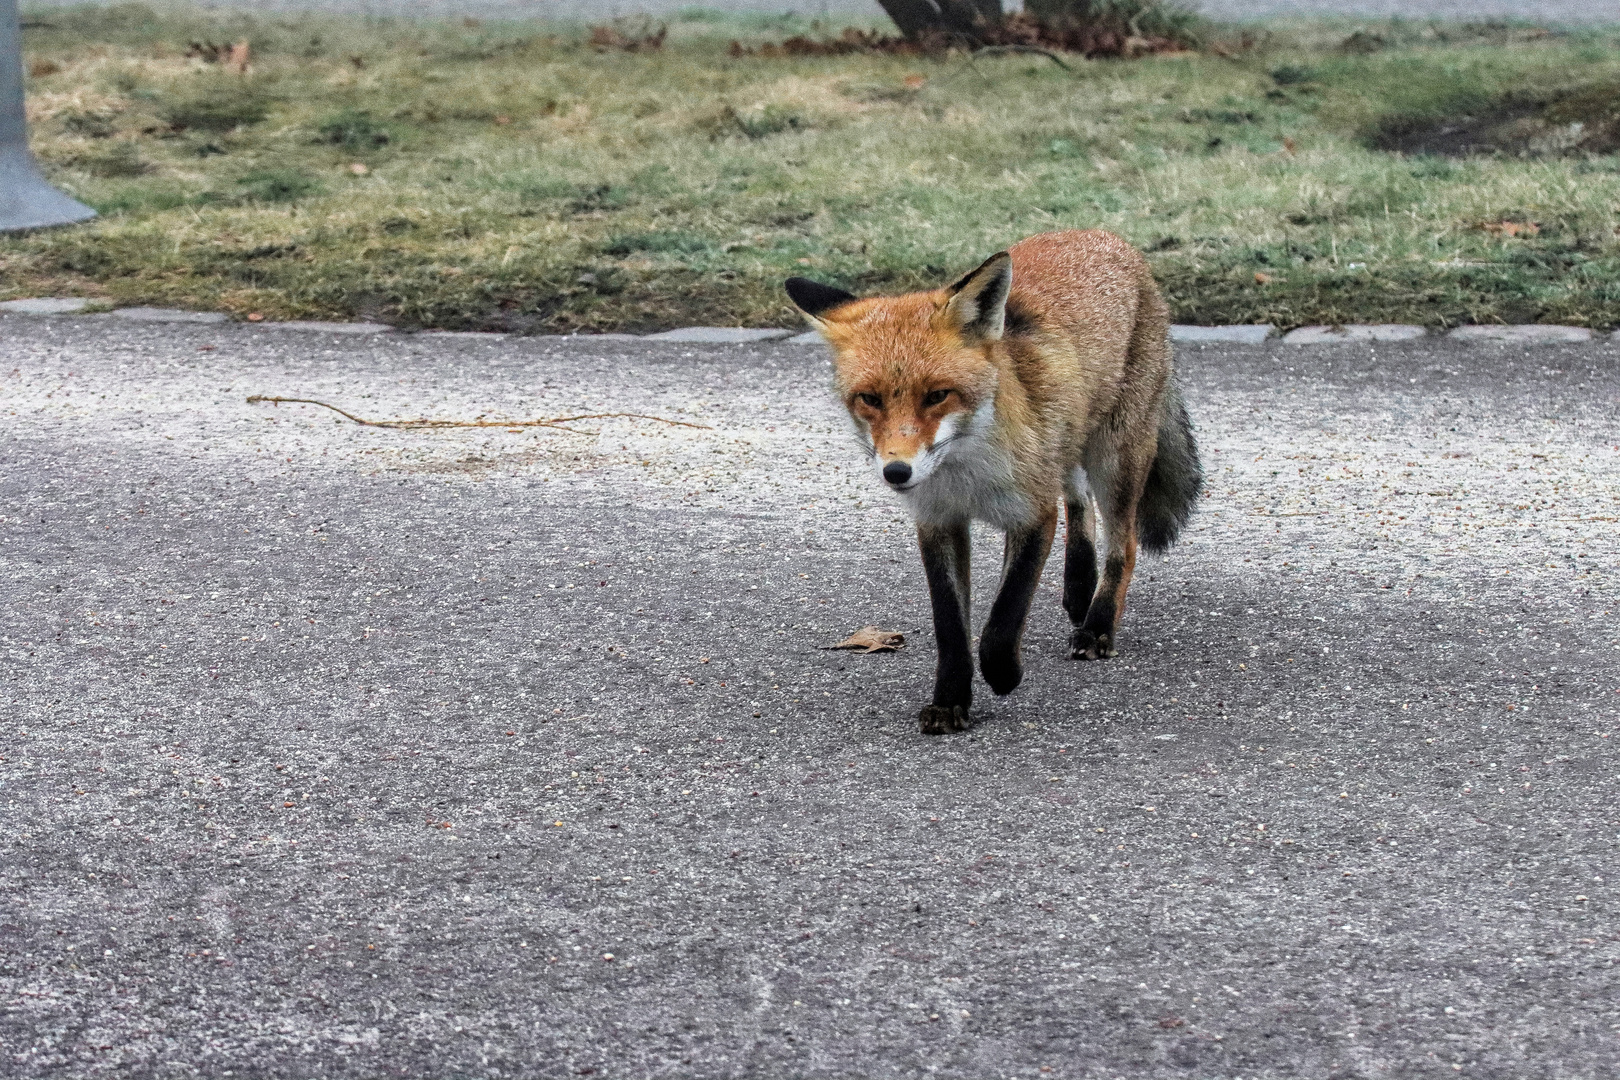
[1084, 645]
[942, 719]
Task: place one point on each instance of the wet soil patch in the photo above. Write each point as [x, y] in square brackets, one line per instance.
[1585, 120]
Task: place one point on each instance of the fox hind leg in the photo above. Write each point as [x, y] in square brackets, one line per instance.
[1079, 556]
[1117, 495]
[1003, 635]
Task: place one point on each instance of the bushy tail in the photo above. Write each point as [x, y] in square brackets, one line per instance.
[1174, 481]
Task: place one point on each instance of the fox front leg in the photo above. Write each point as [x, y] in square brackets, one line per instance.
[946, 556]
[1003, 635]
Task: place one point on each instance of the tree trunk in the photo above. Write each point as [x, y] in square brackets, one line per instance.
[954, 18]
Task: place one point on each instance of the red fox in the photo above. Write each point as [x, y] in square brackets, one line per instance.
[1042, 377]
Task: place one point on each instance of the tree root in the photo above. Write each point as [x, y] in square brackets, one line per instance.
[1002, 50]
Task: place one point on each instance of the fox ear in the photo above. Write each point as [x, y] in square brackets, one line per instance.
[813, 298]
[978, 302]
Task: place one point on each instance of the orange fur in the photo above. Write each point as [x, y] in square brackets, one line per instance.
[1042, 378]
[1084, 296]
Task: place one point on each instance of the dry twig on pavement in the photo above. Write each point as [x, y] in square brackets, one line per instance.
[557, 422]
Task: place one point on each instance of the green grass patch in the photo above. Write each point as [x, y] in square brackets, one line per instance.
[511, 176]
[216, 105]
[279, 185]
[354, 129]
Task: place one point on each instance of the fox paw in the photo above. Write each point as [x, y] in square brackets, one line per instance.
[1002, 671]
[943, 719]
[1084, 645]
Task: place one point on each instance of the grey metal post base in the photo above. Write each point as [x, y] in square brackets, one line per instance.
[26, 200]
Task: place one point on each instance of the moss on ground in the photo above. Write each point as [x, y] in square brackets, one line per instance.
[509, 176]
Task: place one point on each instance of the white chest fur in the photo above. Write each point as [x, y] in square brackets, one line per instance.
[974, 483]
[970, 479]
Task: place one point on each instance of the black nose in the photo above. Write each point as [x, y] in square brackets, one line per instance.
[897, 472]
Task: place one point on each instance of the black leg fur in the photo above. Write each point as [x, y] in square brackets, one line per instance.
[1094, 638]
[1079, 564]
[946, 555]
[1003, 635]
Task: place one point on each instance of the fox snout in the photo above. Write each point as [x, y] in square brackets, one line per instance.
[908, 449]
[905, 461]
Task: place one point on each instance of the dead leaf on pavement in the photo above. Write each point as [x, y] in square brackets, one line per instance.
[869, 639]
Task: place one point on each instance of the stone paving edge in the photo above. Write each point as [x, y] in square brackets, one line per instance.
[1240, 333]
[1327, 335]
[721, 335]
[174, 315]
[46, 305]
[311, 326]
[1526, 333]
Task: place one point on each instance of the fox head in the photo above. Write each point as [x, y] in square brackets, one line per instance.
[916, 371]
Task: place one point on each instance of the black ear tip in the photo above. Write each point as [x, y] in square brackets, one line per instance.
[813, 297]
[996, 271]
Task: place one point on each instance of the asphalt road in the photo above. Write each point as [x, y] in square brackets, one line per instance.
[332, 751]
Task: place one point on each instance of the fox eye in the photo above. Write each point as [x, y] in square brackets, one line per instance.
[936, 396]
[871, 401]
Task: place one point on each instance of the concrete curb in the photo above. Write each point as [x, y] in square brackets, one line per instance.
[1245, 334]
[1325, 335]
[468, 335]
[158, 314]
[719, 335]
[46, 305]
[309, 326]
[1532, 334]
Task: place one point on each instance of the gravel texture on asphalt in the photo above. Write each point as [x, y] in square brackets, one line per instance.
[333, 751]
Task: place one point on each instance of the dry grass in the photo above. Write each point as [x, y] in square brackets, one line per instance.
[514, 177]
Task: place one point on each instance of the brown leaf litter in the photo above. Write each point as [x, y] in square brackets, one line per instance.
[869, 639]
[627, 37]
[1511, 228]
[1017, 32]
